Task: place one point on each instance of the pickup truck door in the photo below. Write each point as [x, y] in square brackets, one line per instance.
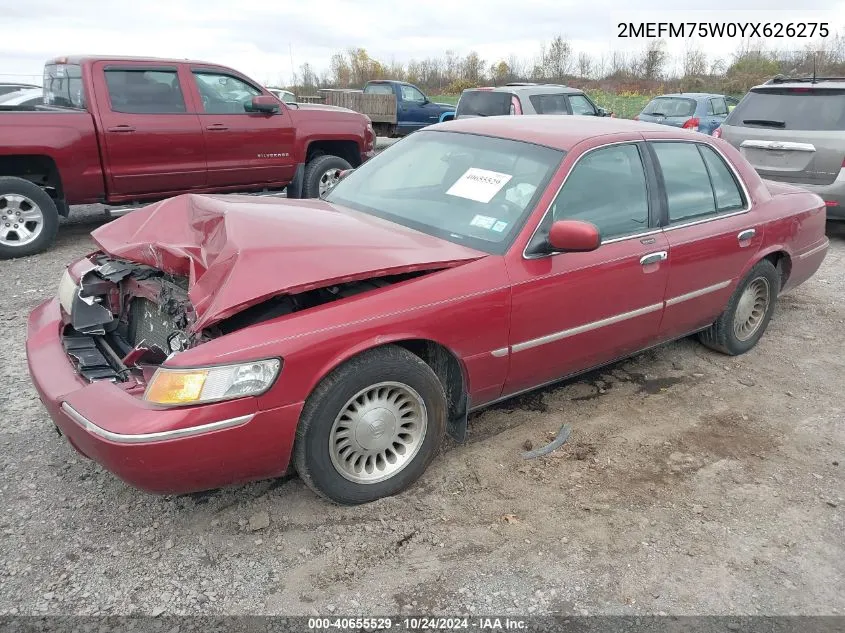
[151, 141]
[414, 109]
[244, 149]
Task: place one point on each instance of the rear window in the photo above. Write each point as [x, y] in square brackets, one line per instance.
[670, 106]
[791, 109]
[63, 86]
[549, 104]
[379, 89]
[484, 103]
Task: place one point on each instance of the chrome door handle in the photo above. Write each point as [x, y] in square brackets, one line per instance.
[653, 258]
[747, 234]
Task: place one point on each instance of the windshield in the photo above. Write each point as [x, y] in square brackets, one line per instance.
[63, 86]
[468, 189]
[670, 106]
[792, 109]
[483, 103]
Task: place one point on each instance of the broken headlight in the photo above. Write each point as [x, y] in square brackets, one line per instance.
[211, 384]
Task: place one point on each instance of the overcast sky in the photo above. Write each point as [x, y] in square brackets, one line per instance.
[264, 39]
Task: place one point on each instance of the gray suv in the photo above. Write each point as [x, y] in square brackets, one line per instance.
[793, 130]
[526, 98]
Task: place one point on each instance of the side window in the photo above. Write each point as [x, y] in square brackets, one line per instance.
[728, 194]
[719, 107]
[409, 93]
[223, 94]
[618, 210]
[145, 91]
[581, 105]
[688, 189]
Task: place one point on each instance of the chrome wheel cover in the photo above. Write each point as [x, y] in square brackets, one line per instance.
[328, 180]
[751, 309]
[21, 220]
[378, 432]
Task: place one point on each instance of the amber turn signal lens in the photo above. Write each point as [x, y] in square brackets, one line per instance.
[176, 387]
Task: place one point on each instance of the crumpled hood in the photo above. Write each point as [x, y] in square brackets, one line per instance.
[238, 251]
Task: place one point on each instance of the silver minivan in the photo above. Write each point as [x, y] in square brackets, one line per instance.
[793, 130]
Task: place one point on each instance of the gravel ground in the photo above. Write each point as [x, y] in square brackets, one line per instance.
[693, 483]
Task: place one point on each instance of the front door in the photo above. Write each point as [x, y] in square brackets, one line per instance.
[153, 139]
[711, 234]
[244, 148]
[573, 311]
[415, 111]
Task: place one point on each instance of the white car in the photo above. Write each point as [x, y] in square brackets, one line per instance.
[284, 95]
[24, 97]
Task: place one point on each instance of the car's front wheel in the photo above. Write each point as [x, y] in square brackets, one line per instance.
[371, 427]
[747, 314]
[321, 174]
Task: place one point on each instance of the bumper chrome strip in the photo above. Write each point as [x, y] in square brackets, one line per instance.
[815, 250]
[123, 438]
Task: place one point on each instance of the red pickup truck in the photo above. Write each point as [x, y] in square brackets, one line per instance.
[118, 131]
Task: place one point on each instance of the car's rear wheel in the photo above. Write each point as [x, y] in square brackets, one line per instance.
[29, 218]
[321, 174]
[371, 427]
[748, 313]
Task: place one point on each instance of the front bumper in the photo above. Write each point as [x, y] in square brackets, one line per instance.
[175, 450]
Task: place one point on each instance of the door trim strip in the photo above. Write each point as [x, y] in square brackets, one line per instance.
[698, 293]
[556, 336]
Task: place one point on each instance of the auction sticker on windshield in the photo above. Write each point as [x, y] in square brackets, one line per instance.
[479, 184]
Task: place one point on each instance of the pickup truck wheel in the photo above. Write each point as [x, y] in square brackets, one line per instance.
[371, 427]
[29, 219]
[748, 313]
[321, 174]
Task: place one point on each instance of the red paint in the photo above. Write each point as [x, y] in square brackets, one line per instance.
[114, 157]
[478, 304]
[574, 235]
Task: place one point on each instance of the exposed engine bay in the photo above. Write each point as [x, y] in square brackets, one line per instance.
[127, 318]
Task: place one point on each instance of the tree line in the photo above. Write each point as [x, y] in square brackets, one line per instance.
[558, 62]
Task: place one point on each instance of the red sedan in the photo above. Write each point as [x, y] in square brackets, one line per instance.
[214, 340]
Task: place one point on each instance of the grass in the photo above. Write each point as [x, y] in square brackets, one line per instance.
[625, 105]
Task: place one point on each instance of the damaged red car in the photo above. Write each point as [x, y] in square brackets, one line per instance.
[213, 340]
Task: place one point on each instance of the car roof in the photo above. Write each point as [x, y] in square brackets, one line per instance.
[692, 95]
[806, 83]
[84, 59]
[558, 132]
[537, 89]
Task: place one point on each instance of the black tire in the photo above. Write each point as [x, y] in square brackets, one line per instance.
[316, 169]
[722, 335]
[9, 185]
[311, 454]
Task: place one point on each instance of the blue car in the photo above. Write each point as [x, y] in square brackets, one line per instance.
[698, 111]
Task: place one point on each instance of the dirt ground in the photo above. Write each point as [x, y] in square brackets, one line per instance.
[693, 483]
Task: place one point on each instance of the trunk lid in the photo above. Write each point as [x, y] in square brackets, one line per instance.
[238, 251]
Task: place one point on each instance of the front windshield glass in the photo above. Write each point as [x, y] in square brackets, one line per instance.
[468, 189]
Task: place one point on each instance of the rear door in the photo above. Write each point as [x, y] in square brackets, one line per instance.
[151, 138]
[474, 103]
[715, 115]
[244, 149]
[711, 233]
[794, 135]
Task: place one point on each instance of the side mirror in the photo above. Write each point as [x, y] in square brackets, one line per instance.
[265, 103]
[605, 112]
[574, 236]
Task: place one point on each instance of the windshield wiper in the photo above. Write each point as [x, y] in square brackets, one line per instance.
[654, 113]
[766, 122]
